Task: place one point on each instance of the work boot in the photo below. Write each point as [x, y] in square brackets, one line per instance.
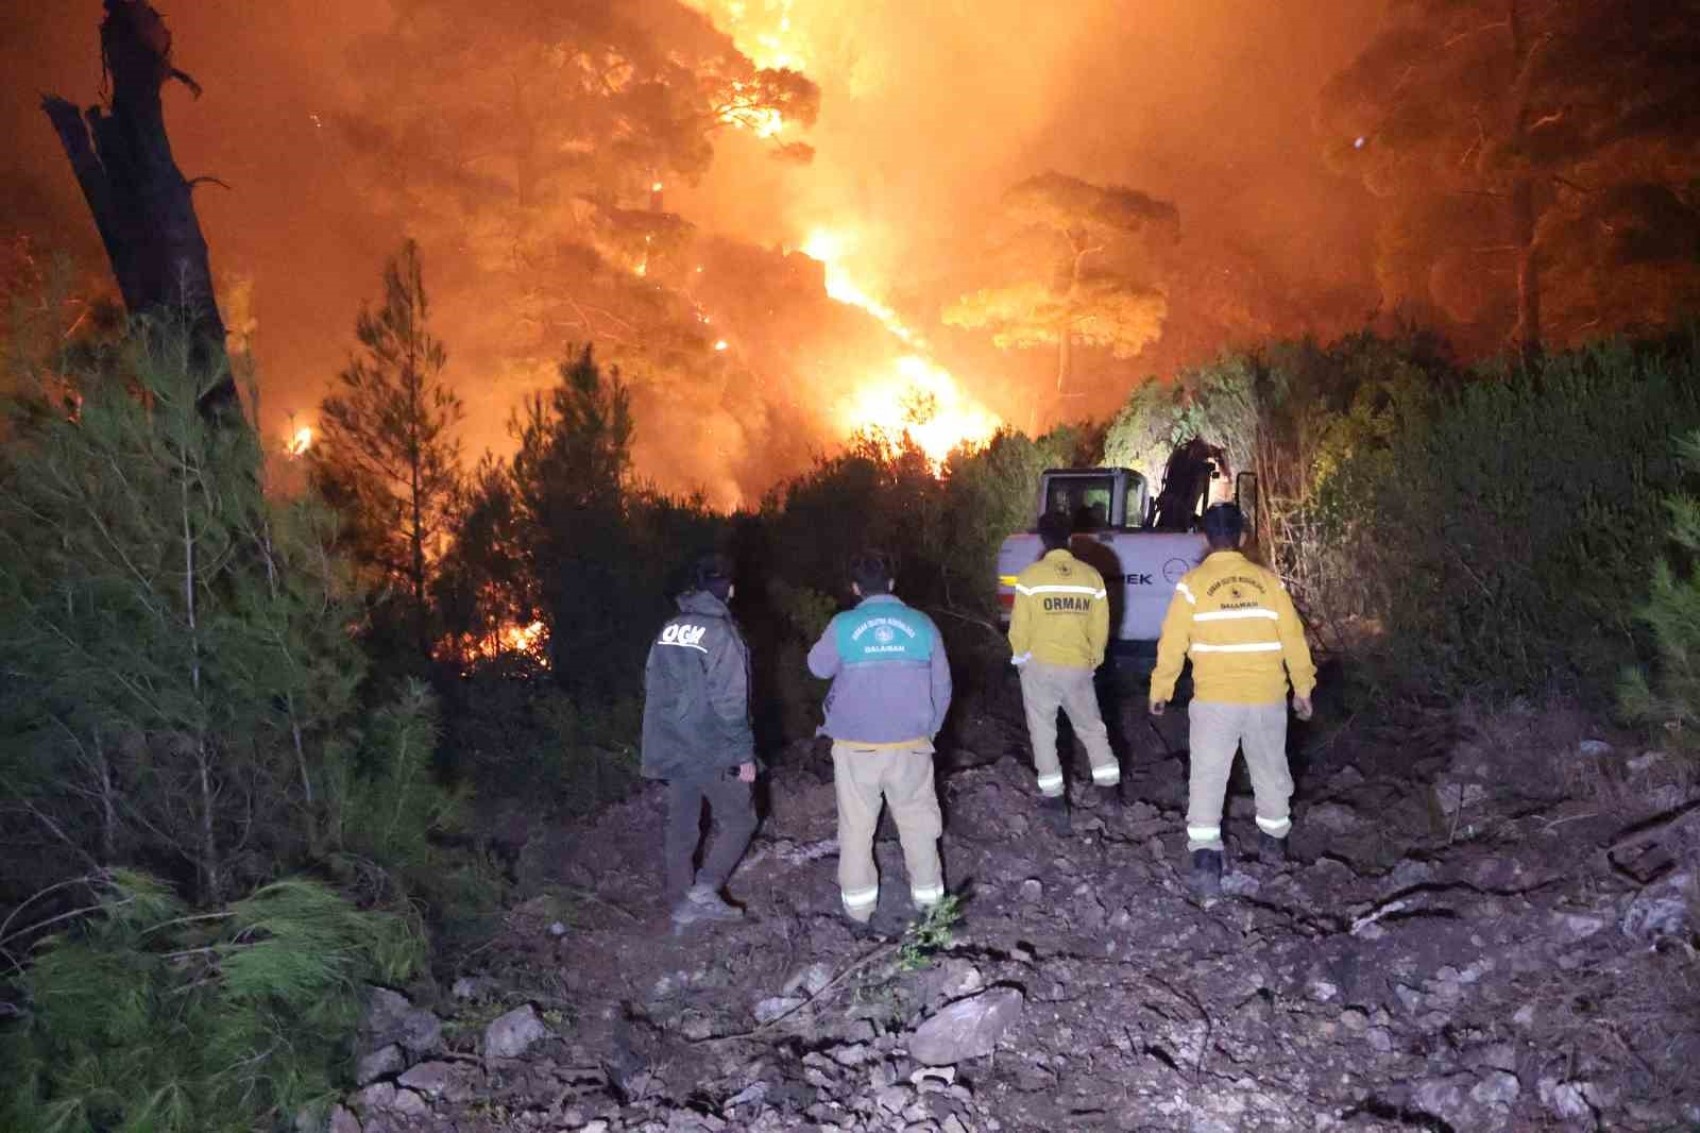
[1206, 879]
[1110, 801]
[1055, 812]
[703, 904]
[1271, 850]
[864, 931]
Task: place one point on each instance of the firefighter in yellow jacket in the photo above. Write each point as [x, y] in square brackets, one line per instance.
[1057, 633]
[1235, 621]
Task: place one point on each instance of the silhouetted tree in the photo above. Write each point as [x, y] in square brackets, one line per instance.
[386, 455]
[1553, 135]
[143, 206]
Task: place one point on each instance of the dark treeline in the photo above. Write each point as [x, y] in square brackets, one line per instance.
[251, 738]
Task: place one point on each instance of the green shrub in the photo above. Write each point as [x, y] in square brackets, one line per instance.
[1668, 692]
[1509, 529]
[138, 1015]
[180, 685]
[515, 735]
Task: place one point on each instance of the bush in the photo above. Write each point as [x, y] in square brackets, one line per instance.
[181, 689]
[140, 1016]
[513, 734]
[1509, 527]
[1668, 692]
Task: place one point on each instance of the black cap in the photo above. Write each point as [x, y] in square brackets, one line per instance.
[1223, 523]
[714, 574]
[1055, 527]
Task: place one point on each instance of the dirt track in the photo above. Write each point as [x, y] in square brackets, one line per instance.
[1487, 925]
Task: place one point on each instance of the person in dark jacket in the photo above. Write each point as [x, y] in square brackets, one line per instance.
[890, 692]
[697, 737]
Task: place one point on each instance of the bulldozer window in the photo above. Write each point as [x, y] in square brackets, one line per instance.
[1084, 499]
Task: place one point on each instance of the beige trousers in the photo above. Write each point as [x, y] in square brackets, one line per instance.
[1218, 730]
[903, 778]
[1046, 688]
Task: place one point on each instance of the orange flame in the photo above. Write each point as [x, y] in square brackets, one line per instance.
[916, 396]
[299, 441]
[509, 640]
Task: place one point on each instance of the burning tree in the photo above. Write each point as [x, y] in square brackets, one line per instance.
[1544, 137]
[1078, 268]
[550, 163]
[387, 457]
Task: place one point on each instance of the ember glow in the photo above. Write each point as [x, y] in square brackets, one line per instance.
[299, 441]
[510, 640]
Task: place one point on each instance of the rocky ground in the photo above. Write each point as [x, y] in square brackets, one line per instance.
[1488, 924]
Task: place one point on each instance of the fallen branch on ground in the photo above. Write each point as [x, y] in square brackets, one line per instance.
[864, 961]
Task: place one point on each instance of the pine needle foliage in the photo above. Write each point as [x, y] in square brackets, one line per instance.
[143, 1017]
[179, 688]
[1668, 693]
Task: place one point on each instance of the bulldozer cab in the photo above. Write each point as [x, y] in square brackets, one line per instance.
[1095, 499]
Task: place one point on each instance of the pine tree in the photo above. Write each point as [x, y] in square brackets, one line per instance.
[572, 485]
[179, 683]
[387, 457]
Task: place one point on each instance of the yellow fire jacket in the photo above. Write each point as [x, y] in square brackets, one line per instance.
[1236, 622]
[1061, 615]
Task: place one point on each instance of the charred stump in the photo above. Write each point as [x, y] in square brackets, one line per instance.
[143, 206]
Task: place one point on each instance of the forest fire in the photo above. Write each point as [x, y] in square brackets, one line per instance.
[915, 396]
[299, 441]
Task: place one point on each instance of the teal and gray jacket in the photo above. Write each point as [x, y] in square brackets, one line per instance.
[890, 677]
[696, 694]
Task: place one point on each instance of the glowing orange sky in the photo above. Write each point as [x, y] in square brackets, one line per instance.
[929, 112]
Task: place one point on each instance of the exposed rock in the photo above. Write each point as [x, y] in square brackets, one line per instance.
[410, 1104]
[1444, 1097]
[1032, 889]
[854, 1055]
[1644, 761]
[379, 1097]
[957, 978]
[472, 987]
[1664, 909]
[968, 1028]
[391, 1018]
[436, 1080]
[894, 1099]
[811, 980]
[1497, 1088]
[1238, 884]
[343, 1121]
[512, 1034]
[1573, 927]
[1566, 1099]
[380, 1063]
[1593, 749]
[775, 1007]
[1333, 817]
[1453, 795]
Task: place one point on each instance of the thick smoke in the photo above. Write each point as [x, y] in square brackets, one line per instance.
[928, 113]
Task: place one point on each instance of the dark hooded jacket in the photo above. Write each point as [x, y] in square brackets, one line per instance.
[696, 705]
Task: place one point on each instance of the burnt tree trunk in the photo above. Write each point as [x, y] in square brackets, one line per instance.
[143, 206]
[1525, 210]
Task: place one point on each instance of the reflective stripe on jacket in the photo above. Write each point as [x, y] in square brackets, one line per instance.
[1236, 622]
[696, 694]
[1062, 613]
[890, 677]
